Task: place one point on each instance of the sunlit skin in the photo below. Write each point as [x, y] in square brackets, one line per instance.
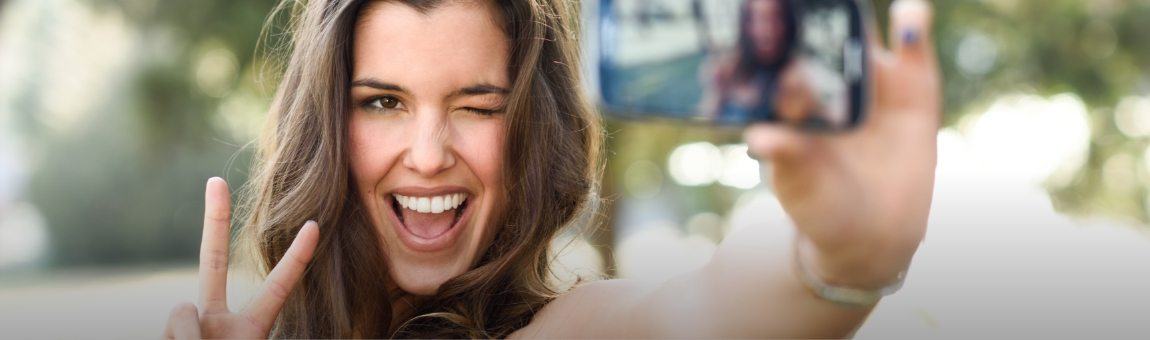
[427, 99]
[858, 200]
[428, 93]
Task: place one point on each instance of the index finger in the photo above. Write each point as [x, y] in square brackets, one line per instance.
[266, 305]
[214, 246]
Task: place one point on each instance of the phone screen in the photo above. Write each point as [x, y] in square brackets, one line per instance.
[734, 62]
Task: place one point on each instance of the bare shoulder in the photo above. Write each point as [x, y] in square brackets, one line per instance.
[593, 309]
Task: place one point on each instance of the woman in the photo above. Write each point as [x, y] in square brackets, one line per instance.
[745, 83]
[441, 145]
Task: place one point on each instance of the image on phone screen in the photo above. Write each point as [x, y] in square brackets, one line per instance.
[734, 62]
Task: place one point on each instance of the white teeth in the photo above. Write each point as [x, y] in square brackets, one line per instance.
[423, 204]
[434, 205]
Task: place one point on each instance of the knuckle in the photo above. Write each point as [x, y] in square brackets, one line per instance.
[184, 310]
[254, 322]
[216, 301]
[217, 259]
[218, 216]
[278, 290]
[295, 260]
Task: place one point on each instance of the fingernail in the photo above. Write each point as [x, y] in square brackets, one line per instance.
[911, 36]
[215, 179]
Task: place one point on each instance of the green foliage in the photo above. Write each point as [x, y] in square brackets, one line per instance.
[127, 186]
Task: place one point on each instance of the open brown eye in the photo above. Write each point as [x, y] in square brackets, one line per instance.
[384, 103]
[388, 102]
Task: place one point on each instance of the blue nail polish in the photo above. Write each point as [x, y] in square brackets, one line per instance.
[910, 36]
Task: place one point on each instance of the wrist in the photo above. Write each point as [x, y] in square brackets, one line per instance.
[868, 268]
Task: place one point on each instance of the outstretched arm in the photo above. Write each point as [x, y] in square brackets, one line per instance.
[859, 203]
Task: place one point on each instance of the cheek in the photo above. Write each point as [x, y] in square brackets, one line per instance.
[373, 148]
[482, 145]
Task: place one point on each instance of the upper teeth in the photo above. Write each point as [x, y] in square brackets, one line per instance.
[435, 204]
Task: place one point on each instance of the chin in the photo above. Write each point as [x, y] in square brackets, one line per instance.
[422, 272]
[420, 262]
[423, 280]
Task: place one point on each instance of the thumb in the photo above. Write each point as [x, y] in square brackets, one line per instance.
[183, 322]
[775, 143]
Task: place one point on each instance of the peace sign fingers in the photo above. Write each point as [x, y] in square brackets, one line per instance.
[257, 319]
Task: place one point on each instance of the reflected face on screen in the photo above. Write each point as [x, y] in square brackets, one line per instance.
[766, 29]
[735, 62]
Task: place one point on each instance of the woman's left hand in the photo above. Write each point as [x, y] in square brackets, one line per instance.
[860, 199]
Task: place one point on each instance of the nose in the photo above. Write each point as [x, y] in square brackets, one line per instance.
[430, 151]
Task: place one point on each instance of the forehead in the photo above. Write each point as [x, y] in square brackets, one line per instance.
[454, 43]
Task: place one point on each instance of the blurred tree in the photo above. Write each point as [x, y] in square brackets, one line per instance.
[126, 187]
[1094, 49]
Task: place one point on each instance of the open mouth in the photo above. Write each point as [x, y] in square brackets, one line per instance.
[429, 217]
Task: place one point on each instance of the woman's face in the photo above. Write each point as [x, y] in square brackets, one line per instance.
[427, 132]
[766, 28]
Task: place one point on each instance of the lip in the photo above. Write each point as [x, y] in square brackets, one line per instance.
[420, 244]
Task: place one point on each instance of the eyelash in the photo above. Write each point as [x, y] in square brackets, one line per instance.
[482, 112]
[369, 104]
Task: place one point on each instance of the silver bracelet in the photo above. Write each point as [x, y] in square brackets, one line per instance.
[846, 296]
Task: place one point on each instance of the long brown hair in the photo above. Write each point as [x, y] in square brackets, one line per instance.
[551, 166]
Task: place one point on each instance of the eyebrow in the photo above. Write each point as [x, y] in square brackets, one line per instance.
[480, 89]
[376, 84]
[473, 90]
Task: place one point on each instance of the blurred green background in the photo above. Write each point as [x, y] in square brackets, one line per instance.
[113, 114]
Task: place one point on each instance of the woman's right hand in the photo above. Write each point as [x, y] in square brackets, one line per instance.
[214, 319]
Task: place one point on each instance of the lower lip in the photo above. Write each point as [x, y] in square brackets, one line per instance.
[420, 244]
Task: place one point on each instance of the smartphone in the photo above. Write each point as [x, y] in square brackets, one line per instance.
[730, 62]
